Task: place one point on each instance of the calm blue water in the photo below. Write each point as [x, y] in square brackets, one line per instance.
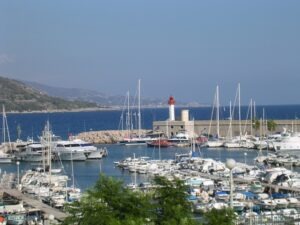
[86, 173]
[75, 122]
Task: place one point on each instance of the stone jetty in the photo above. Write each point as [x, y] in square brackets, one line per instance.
[107, 136]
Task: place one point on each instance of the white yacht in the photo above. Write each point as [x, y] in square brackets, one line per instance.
[289, 142]
[91, 151]
[69, 150]
[5, 158]
[181, 139]
[77, 150]
[33, 153]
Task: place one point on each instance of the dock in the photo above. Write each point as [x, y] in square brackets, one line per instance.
[48, 210]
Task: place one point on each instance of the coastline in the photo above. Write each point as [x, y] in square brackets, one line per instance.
[108, 108]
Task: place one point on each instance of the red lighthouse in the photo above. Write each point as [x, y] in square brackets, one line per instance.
[171, 103]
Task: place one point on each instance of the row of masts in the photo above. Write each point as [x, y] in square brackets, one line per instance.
[129, 120]
[237, 101]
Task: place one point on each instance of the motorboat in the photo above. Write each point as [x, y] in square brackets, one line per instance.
[293, 202]
[181, 139]
[69, 151]
[5, 158]
[289, 142]
[238, 206]
[33, 153]
[91, 151]
[256, 187]
[162, 143]
[281, 203]
[268, 204]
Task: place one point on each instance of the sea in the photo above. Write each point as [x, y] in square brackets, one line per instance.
[64, 124]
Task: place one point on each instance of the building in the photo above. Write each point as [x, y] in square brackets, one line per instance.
[172, 127]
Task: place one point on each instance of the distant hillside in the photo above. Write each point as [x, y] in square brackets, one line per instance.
[16, 96]
[91, 96]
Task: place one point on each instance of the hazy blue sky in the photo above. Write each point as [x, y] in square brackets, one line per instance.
[183, 48]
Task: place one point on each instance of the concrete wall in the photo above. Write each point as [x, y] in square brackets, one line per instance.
[207, 126]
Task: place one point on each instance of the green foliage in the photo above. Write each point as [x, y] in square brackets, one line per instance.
[109, 203]
[256, 124]
[224, 216]
[271, 124]
[171, 203]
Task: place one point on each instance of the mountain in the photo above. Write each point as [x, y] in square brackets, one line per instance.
[91, 96]
[19, 97]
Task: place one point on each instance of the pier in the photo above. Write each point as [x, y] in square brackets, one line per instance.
[48, 210]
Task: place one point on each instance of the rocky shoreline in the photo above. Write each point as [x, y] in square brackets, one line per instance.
[106, 136]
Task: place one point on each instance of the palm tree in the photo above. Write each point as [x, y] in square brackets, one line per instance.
[271, 124]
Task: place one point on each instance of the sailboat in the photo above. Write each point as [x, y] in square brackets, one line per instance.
[235, 142]
[215, 143]
[139, 139]
[47, 183]
[4, 157]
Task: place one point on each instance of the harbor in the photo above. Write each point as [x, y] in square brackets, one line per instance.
[264, 179]
[188, 168]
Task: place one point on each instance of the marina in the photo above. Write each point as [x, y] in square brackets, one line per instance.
[185, 157]
[165, 158]
[149, 113]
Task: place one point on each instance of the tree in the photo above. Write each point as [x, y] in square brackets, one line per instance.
[256, 124]
[224, 216]
[271, 124]
[172, 207]
[110, 203]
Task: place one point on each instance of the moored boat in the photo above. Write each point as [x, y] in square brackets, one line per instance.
[159, 143]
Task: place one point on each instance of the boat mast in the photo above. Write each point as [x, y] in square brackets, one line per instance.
[212, 112]
[240, 122]
[128, 116]
[159, 156]
[5, 128]
[218, 111]
[230, 122]
[49, 149]
[263, 122]
[3, 123]
[251, 116]
[254, 109]
[260, 134]
[72, 168]
[139, 108]
[134, 170]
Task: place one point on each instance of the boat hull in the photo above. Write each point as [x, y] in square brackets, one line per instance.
[30, 157]
[5, 160]
[71, 156]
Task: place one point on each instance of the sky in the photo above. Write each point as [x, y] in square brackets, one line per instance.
[180, 48]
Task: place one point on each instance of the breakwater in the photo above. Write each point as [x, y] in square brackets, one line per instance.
[225, 127]
[107, 136]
